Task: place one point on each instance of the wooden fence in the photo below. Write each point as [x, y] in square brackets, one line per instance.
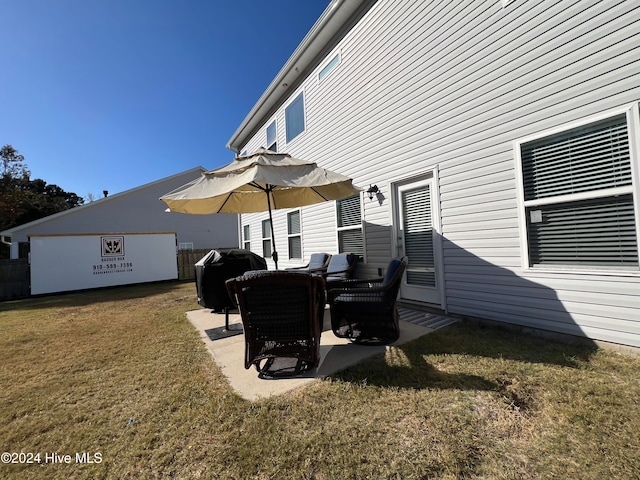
[187, 260]
[14, 279]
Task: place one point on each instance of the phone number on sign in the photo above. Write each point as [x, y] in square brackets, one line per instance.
[50, 457]
[109, 266]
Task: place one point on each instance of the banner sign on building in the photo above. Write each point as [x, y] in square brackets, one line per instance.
[62, 263]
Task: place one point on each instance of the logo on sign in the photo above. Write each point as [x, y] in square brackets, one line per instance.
[112, 246]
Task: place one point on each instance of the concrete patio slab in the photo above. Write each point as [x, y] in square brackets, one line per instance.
[335, 354]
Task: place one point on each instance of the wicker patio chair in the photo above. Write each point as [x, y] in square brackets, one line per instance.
[364, 311]
[318, 263]
[282, 314]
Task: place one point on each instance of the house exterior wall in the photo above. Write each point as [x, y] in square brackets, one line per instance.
[435, 87]
[137, 211]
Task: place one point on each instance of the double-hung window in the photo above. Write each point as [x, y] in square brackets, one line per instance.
[266, 238]
[293, 230]
[246, 237]
[349, 219]
[580, 195]
[272, 143]
[294, 118]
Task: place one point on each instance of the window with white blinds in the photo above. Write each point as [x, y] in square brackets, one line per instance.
[417, 226]
[266, 238]
[295, 239]
[349, 217]
[579, 197]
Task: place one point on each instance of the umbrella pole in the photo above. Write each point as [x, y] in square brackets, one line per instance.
[274, 255]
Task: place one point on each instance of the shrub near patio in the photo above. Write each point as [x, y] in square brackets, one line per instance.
[122, 373]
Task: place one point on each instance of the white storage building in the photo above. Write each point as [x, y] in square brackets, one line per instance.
[117, 240]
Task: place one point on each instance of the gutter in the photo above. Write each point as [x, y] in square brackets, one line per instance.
[328, 30]
[3, 241]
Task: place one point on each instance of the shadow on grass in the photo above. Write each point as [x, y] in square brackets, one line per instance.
[86, 297]
[482, 290]
[417, 364]
[506, 342]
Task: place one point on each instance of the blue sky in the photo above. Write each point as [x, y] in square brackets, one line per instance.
[112, 94]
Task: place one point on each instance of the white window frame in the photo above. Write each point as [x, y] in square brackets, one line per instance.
[275, 139]
[360, 227]
[633, 124]
[304, 117]
[269, 239]
[185, 246]
[246, 237]
[291, 235]
[327, 69]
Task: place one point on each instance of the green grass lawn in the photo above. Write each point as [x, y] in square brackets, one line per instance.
[121, 372]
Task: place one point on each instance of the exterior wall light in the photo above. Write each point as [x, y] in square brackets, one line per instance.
[373, 190]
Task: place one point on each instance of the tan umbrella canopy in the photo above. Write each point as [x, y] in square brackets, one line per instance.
[263, 181]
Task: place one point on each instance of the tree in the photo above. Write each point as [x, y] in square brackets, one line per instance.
[23, 200]
[12, 163]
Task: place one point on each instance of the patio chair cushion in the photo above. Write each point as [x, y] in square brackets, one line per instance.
[340, 266]
[392, 268]
[317, 260]
[339, 262]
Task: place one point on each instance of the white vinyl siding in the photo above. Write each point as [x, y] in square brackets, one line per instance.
[426, 84]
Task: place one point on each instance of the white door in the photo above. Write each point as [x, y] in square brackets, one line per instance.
[417, 238]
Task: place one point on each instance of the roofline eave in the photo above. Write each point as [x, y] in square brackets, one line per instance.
[310, 51]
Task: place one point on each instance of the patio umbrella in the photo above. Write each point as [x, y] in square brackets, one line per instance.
[263, 181]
